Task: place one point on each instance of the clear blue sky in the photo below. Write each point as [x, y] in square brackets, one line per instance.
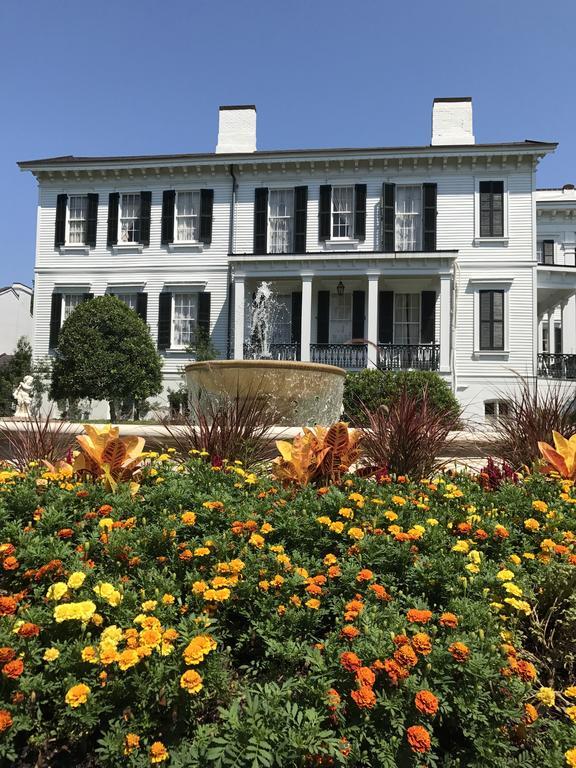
[147, 76]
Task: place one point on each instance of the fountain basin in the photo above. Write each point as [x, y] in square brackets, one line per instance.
[298, 394]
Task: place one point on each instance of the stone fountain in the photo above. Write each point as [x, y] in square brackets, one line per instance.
[297, 393]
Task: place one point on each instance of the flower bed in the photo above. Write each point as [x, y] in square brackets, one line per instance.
[216, 619]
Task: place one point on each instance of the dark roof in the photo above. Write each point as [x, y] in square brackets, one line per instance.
[222, 156]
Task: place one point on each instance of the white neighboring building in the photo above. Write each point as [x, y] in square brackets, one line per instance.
[15, 316]
[405, 257]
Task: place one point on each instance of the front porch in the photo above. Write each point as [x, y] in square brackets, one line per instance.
[351, 315]
[556, 323]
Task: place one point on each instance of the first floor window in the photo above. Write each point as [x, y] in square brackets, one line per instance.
[280, 219]
[187, 216]
[69, 303]
[557, 338]
[408, 218]
[491, 209]
[130, 218]
[545, 341]
[342, 212]
[77, 218]
[184, 319]
[406, 318]
[128, 298]
[492, 320]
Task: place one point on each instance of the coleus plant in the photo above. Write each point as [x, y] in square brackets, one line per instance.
[562, 457]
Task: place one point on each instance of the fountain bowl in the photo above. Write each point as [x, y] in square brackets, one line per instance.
[298, 394]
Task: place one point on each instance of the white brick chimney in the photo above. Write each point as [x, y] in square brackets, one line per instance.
[237, 129]
[452, 121]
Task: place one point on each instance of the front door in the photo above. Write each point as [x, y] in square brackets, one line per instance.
[340, 318]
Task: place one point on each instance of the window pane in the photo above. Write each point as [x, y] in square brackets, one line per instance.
[406, 318]
[342, 211]
[71, 301]
[408, 218]
[187, 216]
[184, 322]
[281, 206]
[130, 218]
[128, 298]
[77, 213]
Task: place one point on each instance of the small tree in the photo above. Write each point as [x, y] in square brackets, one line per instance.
[105, 352]
[19, 365]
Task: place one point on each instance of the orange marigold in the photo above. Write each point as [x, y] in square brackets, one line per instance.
[5, 720]
[449, 620]
[405, 656]
[6, 654]
[380, 592]
[334, 698]
[158, 752]
[460, 652]
[350, 661]
[131, 742]
[364, 697]
[426, 702]
[65, 533]
[530, 714]
[28, 629]
[349, 632]
[394, 671]
[10, 564]
[418, 738]
[421, 643]
[526, 671]
[13, 669]
[399, 640]
[365, 575]
[416, 616]
[365, 676]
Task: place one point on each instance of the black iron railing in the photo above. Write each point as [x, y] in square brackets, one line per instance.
[401, 357]
[277, 352]
[553, 366]
[350, 356]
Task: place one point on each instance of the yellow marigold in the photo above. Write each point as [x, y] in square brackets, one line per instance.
[519, 605]
[111, 634]
[356, 533]
[515, 559]
[106, 522]
[432, 521]
[461, 546]
[57, 591]
[149, 605]
[512, 589]
[201, 551]
[571, 712]
[108, 655]
[337, 526]
[330, 559]
[398, 500]
[313, 603]
[199, 647]
[131, 742]
[191, 681]
[570, 692]
[108, 592]
[198, 587]
[323, 520]
[540, 506]
[570, 756]
[168, 599]
[346, 512]
[266, 528]
[256, 540]
[76, 579]
[531, 525]
[77, 695]
[188, 518]
[128, 658]
[546, 696]
[216, 595]
[51, 654]
[505, 575]
[69, 611]
[158, 752]
[89, 654]
[151, 637]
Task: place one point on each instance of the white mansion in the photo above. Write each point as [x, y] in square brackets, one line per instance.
[440, 257]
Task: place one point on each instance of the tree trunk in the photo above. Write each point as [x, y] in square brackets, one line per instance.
[112, 405]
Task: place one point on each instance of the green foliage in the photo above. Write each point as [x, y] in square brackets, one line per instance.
[439, 546]
[203, 347]
[105, 352]
[12, 373]
[373, 388]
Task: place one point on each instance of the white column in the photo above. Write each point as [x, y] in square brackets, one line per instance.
[549, 320]
[239, 302]
[372, 324]
[569, 325]
[306, 320]
[445, 301]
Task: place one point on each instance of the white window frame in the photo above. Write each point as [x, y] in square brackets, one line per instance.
[290, 219]
[173, 344]
[478, 240]
[488, 284]
[394, 321]
[497, 402]
[420, 217]
[122, 296]
[68, 242]
[126, 243]
[342, 238]
[197, 193]
[65, 295]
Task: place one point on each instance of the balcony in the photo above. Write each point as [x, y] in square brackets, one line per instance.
[349, 356]
[555, 366]
[403, 357]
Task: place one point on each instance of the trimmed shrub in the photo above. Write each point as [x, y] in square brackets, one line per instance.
[369, 389]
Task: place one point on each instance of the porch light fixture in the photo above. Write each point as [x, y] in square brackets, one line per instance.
[340, 288]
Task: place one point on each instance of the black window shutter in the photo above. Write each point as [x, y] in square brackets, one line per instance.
[204, 313]
[300, 218]
[113, 202]
[296, 317]
[428, 317]
[167, 227]
[324, 216]
[142, 305]
[388, 218]
[323, 317]
[358, 305]
[87, 296]
[430, 194]
[385, 317]
[92, 220]
[164, 320]
[206, 208]
[55, 319]
[548, 251]
[360, 212]
[260, 220]
[145, 210]
[60, 230]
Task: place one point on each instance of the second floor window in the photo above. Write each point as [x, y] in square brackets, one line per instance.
[187, 214]
[77, 219]
[280, 220]
[128, 298]
[491, 208]
[129, 225]
[408, 218]
[342, 212]
[545, 250]
[491, 320]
